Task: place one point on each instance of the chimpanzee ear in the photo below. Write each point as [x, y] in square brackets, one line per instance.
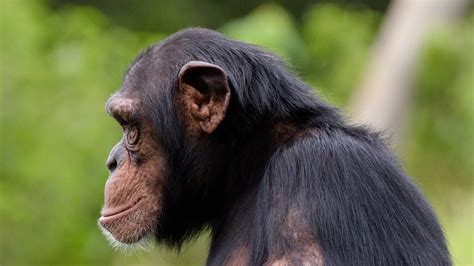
[205, 93]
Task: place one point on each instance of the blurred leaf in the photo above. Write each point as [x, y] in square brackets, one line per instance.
[272, 27]
[339, 41]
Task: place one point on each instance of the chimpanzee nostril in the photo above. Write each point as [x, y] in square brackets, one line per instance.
[116, 157]
[111, 165]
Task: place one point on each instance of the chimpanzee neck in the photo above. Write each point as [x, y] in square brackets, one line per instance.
[250, 160]
[240, 165]
[247, 155]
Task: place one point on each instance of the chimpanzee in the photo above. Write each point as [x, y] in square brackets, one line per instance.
[220, 135]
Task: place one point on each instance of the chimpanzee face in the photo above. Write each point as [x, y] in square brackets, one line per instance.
[134, 191]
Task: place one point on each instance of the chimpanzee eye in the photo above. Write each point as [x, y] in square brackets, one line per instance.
[132, 135]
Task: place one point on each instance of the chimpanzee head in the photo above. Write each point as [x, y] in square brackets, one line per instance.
[169, 106]
[196, 111]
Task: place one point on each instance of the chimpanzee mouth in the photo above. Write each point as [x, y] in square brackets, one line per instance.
[111, 214]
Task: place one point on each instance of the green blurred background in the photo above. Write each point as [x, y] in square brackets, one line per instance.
[61, 59]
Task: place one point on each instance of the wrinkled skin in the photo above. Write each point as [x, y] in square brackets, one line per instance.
[132, 192]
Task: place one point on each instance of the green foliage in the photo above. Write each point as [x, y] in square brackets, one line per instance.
[339, 41]
[440, 150]
[273, 28]
[58, 68]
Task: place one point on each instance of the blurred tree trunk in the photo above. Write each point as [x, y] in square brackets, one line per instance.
[383, 98]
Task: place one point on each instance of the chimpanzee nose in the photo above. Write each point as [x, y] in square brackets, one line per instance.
[116, 157]
[111, 164]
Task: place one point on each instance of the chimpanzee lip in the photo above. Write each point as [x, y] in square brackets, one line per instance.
[114, 213]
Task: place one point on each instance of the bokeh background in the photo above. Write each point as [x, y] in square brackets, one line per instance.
[61, 59]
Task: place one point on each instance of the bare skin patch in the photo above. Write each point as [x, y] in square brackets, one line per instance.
[304, 248]
[134, 190]
[121, 108]
[283, 132]
[190, 99]
[239, 257]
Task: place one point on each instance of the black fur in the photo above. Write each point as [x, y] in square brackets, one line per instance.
[359, 205]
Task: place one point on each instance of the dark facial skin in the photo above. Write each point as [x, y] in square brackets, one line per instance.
[133, 189]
